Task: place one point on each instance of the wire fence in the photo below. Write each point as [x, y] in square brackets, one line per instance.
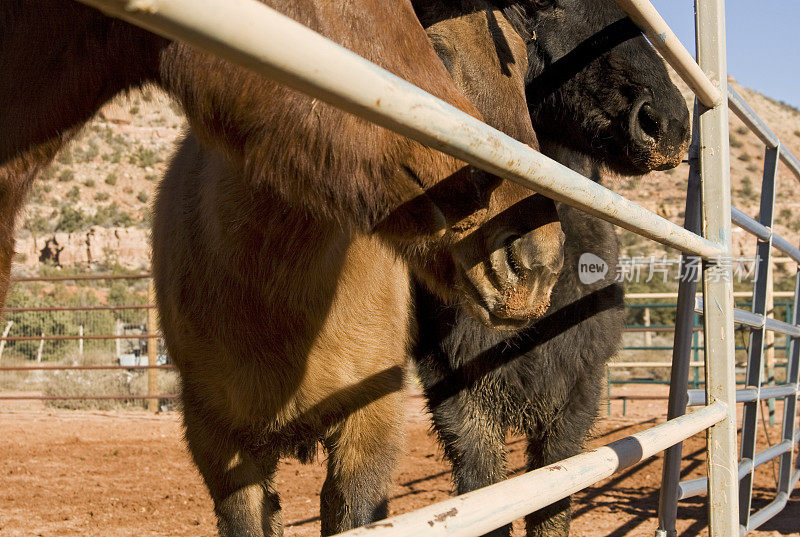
[95, 336]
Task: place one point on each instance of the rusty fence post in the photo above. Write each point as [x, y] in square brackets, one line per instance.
[152, 349]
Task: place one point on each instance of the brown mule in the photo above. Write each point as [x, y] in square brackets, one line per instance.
[321, 161]
[294, 329]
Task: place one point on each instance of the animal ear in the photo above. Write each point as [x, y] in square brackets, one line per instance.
[444, 50]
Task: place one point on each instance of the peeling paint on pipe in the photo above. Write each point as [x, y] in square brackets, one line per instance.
[483, 510]
[259, 38]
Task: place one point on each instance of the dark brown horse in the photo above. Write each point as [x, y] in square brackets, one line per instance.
[333, 166]
[596, 87]
[294, 331]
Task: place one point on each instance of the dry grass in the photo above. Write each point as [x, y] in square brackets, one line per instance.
[117, 382]
[85, 382]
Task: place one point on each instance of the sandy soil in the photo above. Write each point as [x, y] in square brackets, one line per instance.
[91, 473]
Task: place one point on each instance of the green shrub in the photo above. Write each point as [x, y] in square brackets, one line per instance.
[88, 153]
[111, 179]
[71, 219]
[746, 189]
[111, 216]
[142, 196]
[144, 157]
[37, 224]
[65, 156]
[48, 173]
[745, 157]
[89, 183]
[66, 176]
[74, 194]
[101, 196]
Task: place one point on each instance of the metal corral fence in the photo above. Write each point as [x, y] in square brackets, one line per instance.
[638, 361]
[58, 337]
[259, 38]
[89, 323]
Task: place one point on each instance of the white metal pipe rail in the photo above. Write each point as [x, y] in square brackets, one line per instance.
[478, 512]
[647, 18]
[259, 38]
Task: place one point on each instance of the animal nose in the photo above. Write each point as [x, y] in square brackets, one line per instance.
[646, 125]
[665, 136]
[528, 266]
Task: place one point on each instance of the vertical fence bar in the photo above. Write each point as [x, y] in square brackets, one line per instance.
[754, 374]
[717, 274]
[152, 349]
[769, 343]
[5, 335]
[683, 346]
[790, 401]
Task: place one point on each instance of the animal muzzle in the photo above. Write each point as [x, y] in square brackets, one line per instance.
[513, 286]
[659, 132]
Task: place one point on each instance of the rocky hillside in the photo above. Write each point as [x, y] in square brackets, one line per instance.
[665, 192]
[91, 207]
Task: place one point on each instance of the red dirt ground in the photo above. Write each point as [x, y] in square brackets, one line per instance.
[91, 473]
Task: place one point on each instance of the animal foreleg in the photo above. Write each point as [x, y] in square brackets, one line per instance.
[474, 445]
[562, 438]
[362, 454]
[241, 484]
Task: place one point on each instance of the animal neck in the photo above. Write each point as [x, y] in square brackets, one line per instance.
[67, 54]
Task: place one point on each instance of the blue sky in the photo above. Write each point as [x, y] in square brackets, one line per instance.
[763, 42]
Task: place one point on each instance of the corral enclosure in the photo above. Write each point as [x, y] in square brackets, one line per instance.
[625, 509]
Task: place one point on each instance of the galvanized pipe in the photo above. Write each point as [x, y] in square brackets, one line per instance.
[750, 225]
[723, 509]
[790, 408]
[785, 246]
[483, 510]
[761, 288]
[770, 510]
[276, 46]
[754, 320]
[749, 117]
[681, 347]
[790, 160]
[698, 397]
[757, 125]
[695, 487]
[647, 18]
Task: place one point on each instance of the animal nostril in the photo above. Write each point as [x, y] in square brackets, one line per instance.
[516, 255]
[649, 122]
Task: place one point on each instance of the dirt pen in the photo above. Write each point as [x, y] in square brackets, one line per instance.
[114, 474]
[94, 473]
